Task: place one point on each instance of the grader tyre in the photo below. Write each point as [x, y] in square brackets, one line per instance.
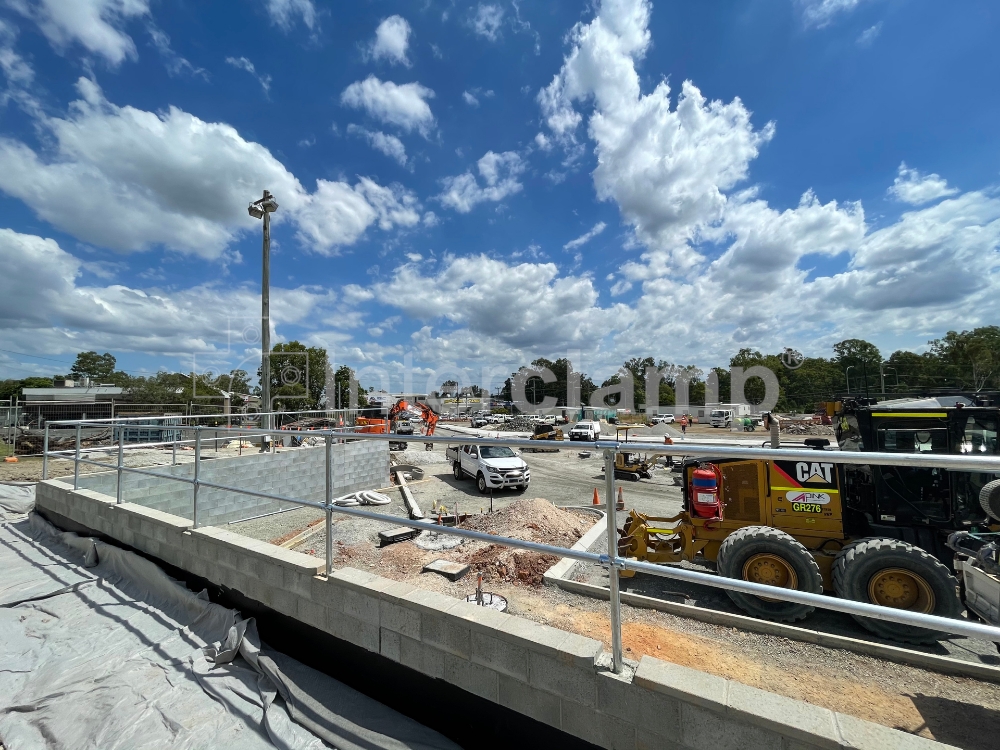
[765, 555]
[893, 573]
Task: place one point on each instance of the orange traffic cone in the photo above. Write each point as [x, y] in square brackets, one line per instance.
[597, 500]
[620, 505]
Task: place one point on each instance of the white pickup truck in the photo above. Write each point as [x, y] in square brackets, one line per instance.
[492, 466]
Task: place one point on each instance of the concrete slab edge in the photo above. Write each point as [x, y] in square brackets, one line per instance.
[896, 654]
[561, 568]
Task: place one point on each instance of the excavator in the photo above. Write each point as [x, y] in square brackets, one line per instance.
[390, 424]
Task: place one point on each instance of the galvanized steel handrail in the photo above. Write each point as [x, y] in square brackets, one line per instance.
[611, 560]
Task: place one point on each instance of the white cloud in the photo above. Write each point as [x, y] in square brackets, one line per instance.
[97, 25]
[819, 13]
[284, 13]
[389, 145]
[526, 307]
[914, 188]
[392, 38]
[583, 239]
[126, 179]
[243, 63]
[868, 36]
[44, 308]
[487, 20]
[402, 105]
[498, 171]
[668, 169]
[471, 96]
[16, 69]
[174, 63]
[470, 99]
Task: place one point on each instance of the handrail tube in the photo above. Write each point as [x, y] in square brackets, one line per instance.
[988, 464]
[933, 622]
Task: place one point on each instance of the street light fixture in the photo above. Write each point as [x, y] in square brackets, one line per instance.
[262, 209]
[847, 374]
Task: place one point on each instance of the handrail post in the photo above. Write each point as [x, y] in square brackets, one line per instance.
[173, 461]
[45, 453]
[616, 604]
[329, 504]
[76, 461]
[197, 471]
[121, 462]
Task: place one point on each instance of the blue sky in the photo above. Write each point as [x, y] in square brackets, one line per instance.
[468, 186]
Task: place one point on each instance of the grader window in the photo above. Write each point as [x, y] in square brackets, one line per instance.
[740, 492]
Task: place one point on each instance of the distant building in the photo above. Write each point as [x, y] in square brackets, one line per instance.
[68, 399]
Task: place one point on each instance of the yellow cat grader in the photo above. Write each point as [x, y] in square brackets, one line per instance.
[876, 534]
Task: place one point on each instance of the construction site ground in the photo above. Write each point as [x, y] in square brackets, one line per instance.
[958, 710]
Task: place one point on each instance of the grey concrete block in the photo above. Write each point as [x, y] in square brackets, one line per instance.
[354, 631]
[577, 684]
[399, 619]
[539, 638]
[447, 634]
[299, 583]
[792, 718]
[597, 728]
[360, 606]
[704, 729]
[866, 735]
[429, 602]
[389, 644]
[421, 657]
[472, 678]
[687, 685]
[286, 602]
[504, 657]
[539, 705]
[622, 699]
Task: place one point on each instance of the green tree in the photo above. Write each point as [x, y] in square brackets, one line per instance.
[97, 367]
[298, 376]
[969, 360]
[864, 357]
[339, 394]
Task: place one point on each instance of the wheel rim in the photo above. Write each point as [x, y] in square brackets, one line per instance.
[770, 570]
[901, 589]
[482, 484]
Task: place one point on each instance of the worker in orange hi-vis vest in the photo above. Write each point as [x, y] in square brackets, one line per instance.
[684, 424]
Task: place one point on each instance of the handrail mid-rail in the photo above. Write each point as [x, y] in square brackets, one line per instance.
[610, 561]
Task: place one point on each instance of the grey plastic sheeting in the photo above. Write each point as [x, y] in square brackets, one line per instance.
[16, 500]
[99, 648]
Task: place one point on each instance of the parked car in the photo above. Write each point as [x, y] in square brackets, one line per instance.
[663, 419]
[492, 466]
[480, 421]
[586, 430]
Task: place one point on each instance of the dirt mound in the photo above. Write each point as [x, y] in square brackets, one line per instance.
[498, 563]
[533, 520]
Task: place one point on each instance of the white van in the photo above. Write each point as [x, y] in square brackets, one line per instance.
[589, 431]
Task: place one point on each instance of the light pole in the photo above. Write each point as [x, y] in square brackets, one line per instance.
[262, 209]
[881, 371]
[847, 374]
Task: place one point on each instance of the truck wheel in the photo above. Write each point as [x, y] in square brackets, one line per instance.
[896, 574]
[457, 470]
[989, 498]
[521, 488]
[764, 555]
[481, 484]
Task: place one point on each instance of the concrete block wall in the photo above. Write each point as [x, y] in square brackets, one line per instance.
[555, 677]
[298, 473]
